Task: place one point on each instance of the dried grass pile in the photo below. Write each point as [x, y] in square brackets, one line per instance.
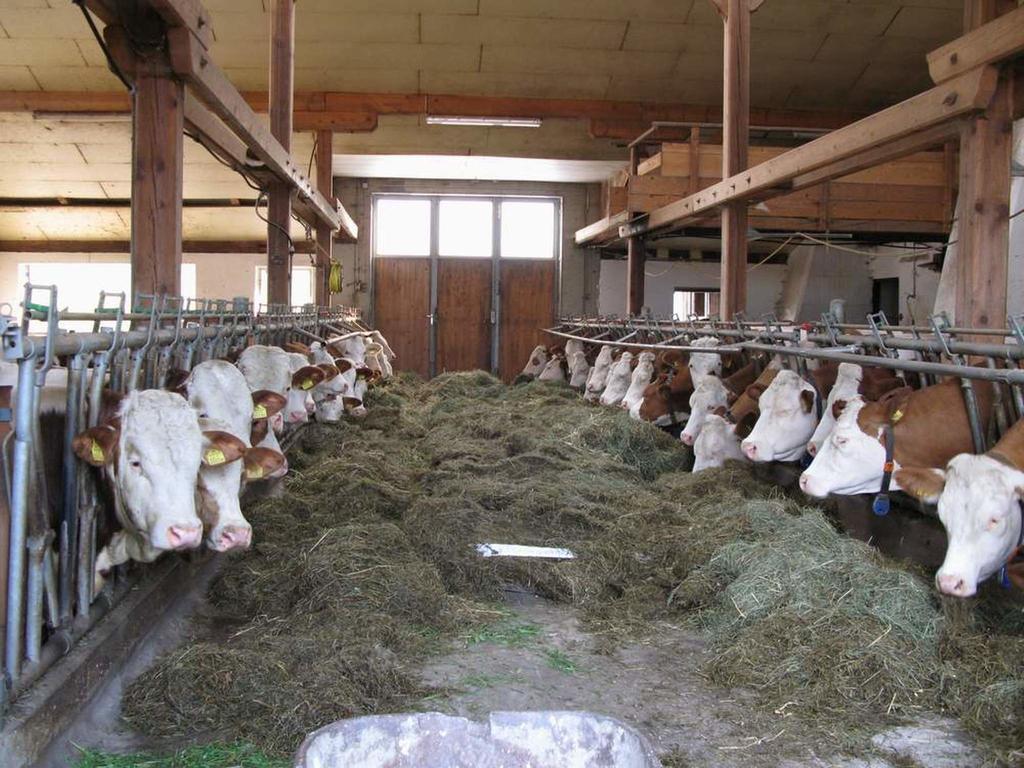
[366, 564]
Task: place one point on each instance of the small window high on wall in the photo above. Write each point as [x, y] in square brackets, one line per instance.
[482, 227]
[687, 302]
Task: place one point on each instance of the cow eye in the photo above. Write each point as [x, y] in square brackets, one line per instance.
[840, 441]
[993, 522]
[136, 464]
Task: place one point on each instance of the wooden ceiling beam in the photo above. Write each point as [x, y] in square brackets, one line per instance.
[998, 40]
[124, 246]
[343, 111]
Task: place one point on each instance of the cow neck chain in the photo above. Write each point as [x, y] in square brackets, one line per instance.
[1004, 572]
[880, 505]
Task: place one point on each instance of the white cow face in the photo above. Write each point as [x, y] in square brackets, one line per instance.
[979, 505]
[618, 380]
[716, 444]
[538, 359]
[848, 380]
[786, 423]
[705, 363]
[552, 370]
[579, 370]
[152, 461]
[638, 382]
[330, 395]
[599, 374]
[709, 395]
[849, 461]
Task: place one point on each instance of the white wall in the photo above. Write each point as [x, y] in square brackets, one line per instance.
[218, 275]
[833, 274]
[663, 277]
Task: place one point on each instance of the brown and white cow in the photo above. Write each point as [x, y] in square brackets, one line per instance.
[930, 426]
[979, 500]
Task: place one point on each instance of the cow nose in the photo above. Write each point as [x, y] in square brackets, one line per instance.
[235, 537]
[297, 417]
[951, 584]
[310, 407]
[812, 448]
[184, 536]
[687, 439]
[750, 451]
[803, 482]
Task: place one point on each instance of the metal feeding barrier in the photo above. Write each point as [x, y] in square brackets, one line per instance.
[47, 567]
[932, 353]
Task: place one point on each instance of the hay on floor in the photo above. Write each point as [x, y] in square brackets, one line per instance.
[366, 565]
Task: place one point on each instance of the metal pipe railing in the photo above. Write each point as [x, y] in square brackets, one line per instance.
[50, 590]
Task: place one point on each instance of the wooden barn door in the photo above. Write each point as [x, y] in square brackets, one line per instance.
[527, 306]
[482, 309]
[402, 310]
[463, 323]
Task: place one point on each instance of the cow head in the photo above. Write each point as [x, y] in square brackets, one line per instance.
[850, 460]
[538, 359]
[300, 399]
[709, 395]
[786, 422]
[705, 363]
[152, 460]
[579, 369]
[979, 505]
[846, 385]
[716, 443]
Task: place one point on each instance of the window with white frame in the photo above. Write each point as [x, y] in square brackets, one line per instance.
[303, 286]
[509, 227]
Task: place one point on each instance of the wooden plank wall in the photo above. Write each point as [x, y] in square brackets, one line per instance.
[910, 195]
[463, 314]
[401, 305]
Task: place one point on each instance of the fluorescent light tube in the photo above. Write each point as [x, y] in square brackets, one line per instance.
[493, 122]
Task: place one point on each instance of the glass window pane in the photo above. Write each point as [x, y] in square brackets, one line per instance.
[403, 227]
[465, 228]
[528, 229]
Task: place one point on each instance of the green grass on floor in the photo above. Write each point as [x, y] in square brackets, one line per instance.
[211, 756]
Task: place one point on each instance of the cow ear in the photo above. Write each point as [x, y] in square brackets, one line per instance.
[307, 377]
[96, 445]
[342, 364]
[175, 381]
[330, 371]
[925, 483]
[806, 400]
[266, 403]
[110, 408]
[262, 462]
[720, 411]
[754, 391]
[894, 400]
[837, 408]
[259, 430]
[362, 372]
[297, 347]
[221, 447]
[351, 402]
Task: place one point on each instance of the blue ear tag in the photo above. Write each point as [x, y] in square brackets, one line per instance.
[1004, 578]
[880, 506]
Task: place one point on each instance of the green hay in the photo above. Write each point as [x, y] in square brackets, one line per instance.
[366, 565]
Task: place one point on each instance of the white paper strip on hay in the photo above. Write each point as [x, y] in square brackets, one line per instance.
[521, 550]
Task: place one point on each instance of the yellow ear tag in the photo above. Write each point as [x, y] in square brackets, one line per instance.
[214, 456]
[259, 411]
[96, 451]
[897, 415]
[307, 384]
[254, 472]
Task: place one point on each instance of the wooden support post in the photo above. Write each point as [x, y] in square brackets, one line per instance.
[694, 187]
[324, 235]
[986, 146]
[735, 138]
[282, 48]
[635, 255]
[157, 166]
